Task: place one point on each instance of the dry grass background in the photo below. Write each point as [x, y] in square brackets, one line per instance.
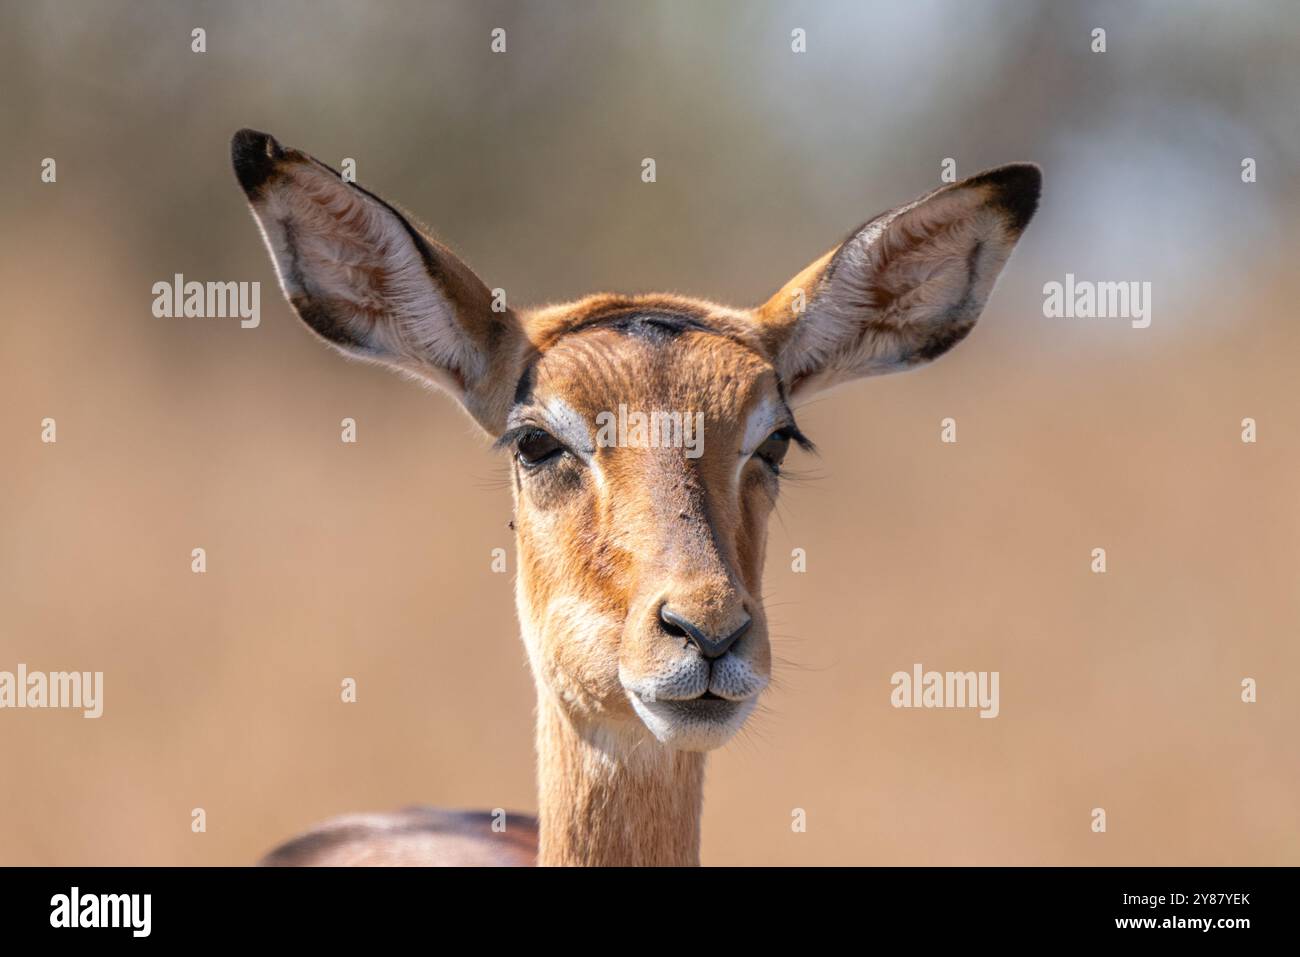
[372, 561]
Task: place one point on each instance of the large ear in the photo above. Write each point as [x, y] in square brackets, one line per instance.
[375, 286]
[904, 288]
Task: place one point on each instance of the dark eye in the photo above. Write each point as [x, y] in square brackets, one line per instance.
[773, 449]
[535, 447]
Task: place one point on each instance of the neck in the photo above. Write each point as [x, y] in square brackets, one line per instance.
[608, 800]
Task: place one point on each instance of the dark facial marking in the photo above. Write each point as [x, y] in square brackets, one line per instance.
[524, 387]
[653, 325]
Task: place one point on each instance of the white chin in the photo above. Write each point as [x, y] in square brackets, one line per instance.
[693, 725]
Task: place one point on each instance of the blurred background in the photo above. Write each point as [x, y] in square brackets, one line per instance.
[373, 560]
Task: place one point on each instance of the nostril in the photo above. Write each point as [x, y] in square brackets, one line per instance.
[677, 626]
[669, 624]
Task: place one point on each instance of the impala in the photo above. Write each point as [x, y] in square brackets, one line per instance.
[639, 588]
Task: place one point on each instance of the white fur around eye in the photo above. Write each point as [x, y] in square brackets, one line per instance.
[569, 427]
[760, 424]
[762, 421]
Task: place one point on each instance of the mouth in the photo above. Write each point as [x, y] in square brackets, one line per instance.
[701, 723]
[706, 706]
[695, 704]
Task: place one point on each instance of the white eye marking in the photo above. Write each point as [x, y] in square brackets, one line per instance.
[570, 427]
[762, 420]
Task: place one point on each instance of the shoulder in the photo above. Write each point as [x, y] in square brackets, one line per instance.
[413, 837]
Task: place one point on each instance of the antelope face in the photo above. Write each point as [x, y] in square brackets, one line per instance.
[647, 447]
[646, 433]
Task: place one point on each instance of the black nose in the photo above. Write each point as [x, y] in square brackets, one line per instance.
[679, 627]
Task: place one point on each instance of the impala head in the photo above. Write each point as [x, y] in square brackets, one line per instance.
[646, 433]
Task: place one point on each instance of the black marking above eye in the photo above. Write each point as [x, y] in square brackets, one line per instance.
[533, 447]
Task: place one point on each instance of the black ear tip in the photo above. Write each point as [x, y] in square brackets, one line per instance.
[1016, 187]
[255, 156]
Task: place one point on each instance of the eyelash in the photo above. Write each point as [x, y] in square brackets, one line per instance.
[516, 438]
[792, 435]
[510, 439]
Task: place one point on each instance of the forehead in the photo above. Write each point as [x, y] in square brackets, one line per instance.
[648, 358]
